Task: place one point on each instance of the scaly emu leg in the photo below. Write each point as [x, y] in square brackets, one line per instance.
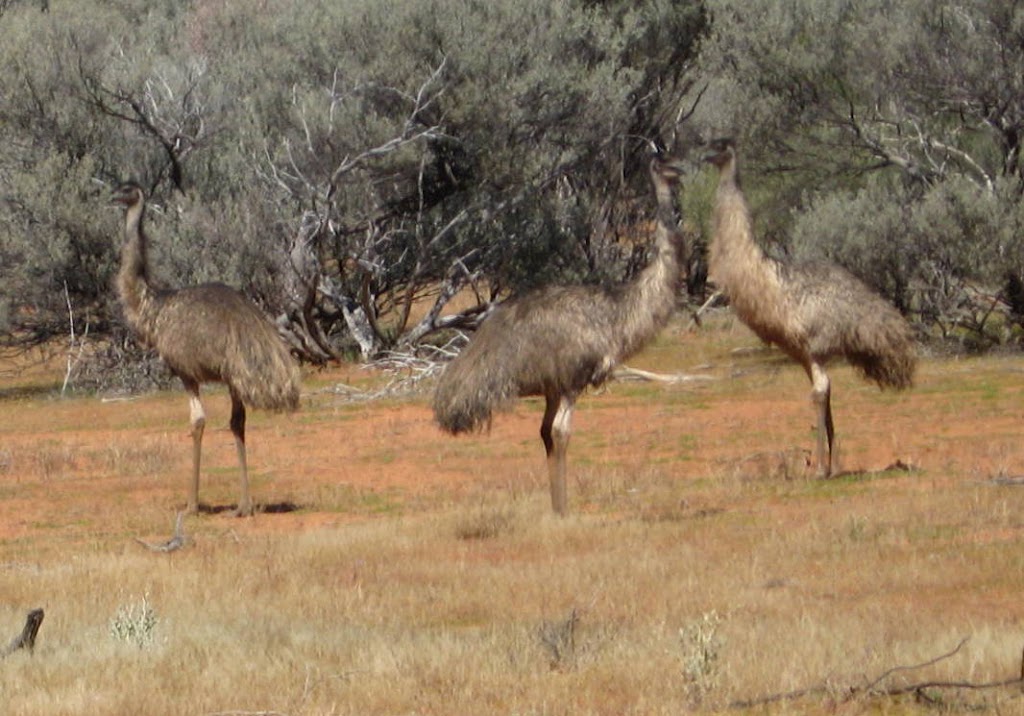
[238, 430]
[197, 420]
[555, 432]
[821, 394]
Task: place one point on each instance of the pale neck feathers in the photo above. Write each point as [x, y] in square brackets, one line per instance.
[738, 266]
[649, 300]
[133, 287]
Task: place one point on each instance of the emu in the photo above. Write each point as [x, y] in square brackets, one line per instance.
[205, 333]
[557, 341]
[813, 311]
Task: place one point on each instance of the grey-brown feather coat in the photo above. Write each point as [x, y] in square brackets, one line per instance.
[558, 341]
[205, 333]
[814, 311]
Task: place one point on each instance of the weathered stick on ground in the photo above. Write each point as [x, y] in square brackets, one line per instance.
[176, 542]
[874, 688]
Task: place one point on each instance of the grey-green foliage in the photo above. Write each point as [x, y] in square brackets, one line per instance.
[702, 646]
[363, 127]
[59, 155]
[929, 88]
[517, 117]
[943, 254]
[883, 134]
[135, 623]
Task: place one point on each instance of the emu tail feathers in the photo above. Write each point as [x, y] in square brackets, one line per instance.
[883, 350]
[263, 372]
[470, 390]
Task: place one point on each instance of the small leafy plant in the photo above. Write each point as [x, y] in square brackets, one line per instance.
[702, 646]
[135, 623]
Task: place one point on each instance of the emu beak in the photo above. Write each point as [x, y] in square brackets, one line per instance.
[680, 165]
[121, 198]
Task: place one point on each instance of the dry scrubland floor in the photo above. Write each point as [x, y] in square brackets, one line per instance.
[399, 571]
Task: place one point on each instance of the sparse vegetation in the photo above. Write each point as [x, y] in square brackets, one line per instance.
[701, 645]
[465, 596]
[135, 623]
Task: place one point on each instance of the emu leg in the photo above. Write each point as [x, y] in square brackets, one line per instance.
[238, 430]
[555, 432]
[821, 394]
[197, 420]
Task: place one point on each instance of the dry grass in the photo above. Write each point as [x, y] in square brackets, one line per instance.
[425, 575]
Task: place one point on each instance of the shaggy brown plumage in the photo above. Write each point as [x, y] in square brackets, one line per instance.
[814, 311]
[205, 333]
[557, 341]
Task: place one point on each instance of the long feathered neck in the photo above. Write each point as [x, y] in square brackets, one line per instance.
[734, 257]
[133, 284]
[753, 282]
[649, 300]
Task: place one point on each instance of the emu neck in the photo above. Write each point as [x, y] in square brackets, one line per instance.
[649, 300]
[133, 277]
[736, 264]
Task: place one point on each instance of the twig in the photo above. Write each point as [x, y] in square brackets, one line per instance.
[695, 316]
[72, 359]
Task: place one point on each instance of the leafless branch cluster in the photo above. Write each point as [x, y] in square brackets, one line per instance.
[352, 287]
[168, 109]
[292, 173]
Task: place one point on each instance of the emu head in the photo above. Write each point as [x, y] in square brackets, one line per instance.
[666, 166]
[720, 151]
[128, 195]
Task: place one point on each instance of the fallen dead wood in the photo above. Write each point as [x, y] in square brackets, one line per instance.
[626, 373]
[27, 638]
[695, 316]
[1012, 480]
[177, 541]
[875, 689]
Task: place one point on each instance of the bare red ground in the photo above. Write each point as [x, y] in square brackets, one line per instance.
[67, 466]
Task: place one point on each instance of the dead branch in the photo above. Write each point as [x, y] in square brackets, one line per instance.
[872, 689]
[27, 638]
[72, 359]
[178, 541]
[624, 372]
[695, 317]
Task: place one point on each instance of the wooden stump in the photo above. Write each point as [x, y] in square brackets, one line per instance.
[27, 638]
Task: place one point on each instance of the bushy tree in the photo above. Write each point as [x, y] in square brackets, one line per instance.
[342, 162]
[895, 125]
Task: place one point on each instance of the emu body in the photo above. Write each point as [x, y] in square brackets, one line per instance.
[558, 341]
[814, 311]
[205, 333]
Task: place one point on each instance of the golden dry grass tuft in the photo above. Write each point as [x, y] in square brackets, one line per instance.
[395, 570]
